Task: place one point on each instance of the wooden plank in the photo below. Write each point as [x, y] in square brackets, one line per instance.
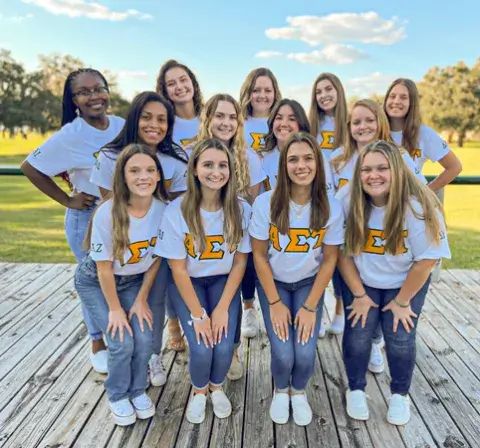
[17, 272]
[5, 268]
[30, 414]
[465, 287]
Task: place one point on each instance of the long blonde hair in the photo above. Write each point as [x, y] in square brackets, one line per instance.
[413, 119]
[232, 224]
[120, 197]
[350, 144]
[316, 114]
[248, 86]
[280, 202]
[237, 144]
[404, 187]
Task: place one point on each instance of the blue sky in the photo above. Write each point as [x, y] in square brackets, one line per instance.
[367, 46]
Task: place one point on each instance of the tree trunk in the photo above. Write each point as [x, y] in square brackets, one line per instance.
[461, 138]
[450, 137]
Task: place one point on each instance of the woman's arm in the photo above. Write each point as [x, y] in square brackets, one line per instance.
[416, 278]
[185, 287]
[263, 269]
[234, 279]
[350, 275]
[452, 168]
[254, 190]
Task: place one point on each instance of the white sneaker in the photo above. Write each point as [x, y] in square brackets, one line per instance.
[302, 412]
[338, 324]
[122, 412]
[196, 408]
[322, 331]
[357, 407]
[235, 372]
[375, 363]
[99, 361]
[144, 408]
[280, 407]
[222, 408]
[398, 410]
[249, 323]
[156, 372]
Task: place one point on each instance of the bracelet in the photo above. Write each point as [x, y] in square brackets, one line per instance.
[198, 319]
[361, 296]
[400, 304]
[274, 303]
[306, 307]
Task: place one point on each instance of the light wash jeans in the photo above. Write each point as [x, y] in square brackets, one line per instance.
[76, 223]
[127, 360]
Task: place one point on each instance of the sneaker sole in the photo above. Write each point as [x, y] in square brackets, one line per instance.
[157, 383]
[358, 417]
[376, 369]
[196, 421]
[220, 415]
[278, 421]
[397, 422]
[124, 421]
[143, 414]
[234, 377]
[302, 422]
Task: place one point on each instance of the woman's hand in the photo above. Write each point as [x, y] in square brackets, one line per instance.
[219, 323]
[359, 310]
[117, 321]
[401, 314]
[281, 320]
[81, 201]
[203, 331]
[143, 312]
[304, 325]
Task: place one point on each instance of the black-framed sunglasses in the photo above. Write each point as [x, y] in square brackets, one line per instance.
[86, 93]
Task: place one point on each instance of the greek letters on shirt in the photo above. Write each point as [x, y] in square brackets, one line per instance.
[137, 250]
[376, 242]
[342, 182]
[298, 239]
[266, 183]
[213, 247]
[188, 141]
[416, 154]
[258, 140]
[327, 139]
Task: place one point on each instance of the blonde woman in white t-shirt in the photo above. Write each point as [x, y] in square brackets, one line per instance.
[395, 233]
[115, 278]
[70, 154]
[296, 232]
[204, 236]
[258, 95]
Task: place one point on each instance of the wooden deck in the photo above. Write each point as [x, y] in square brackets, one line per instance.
[50, 397]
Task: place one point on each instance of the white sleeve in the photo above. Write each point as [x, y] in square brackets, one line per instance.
[101, 247]
[335, 234]
[171, 239]
[103, 170]
[411, 164]
[55, 155]
[421, 247]
[259, 226]
[179, 180]
[328, 175]
[257, 174]
[435, 147]
[245, 247]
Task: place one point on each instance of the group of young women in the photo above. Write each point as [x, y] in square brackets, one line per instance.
[192, 207]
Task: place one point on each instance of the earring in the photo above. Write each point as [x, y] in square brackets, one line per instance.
[77, 111]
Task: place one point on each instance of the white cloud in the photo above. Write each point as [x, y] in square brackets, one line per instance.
[16, 19]
[367, 27]
[82, 8]
[268, 54]
[128, 74]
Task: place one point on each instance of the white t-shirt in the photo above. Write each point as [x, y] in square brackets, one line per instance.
[175, 241]
[255, 130]
[378, 269]
[185, 131]
[142, 235]
[257, 174]
[74, 148]
[431, 146]
[326, 135]
[174, 171]
[298, 255]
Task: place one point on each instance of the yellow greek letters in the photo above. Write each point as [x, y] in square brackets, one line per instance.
[297, 239]
[258, 140]
[376, 242]
[342, 182]
[213, 247]
[328, 140]
[416, 153]
[138, 250]
[168, 183]
[188, 141]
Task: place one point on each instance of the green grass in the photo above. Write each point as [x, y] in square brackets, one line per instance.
[31, 225]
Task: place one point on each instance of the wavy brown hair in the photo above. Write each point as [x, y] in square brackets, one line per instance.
[404, 187]
[316, 114]
[413, 119]
[232, 224]
[248, 86]
[236, 145]
[120, 197]
[280, 202]
[162, 86]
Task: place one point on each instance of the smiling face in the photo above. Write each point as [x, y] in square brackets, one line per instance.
[224, 122]
[398, 102]
[262, 97]
[301, 163]
[326, 96]
[212, 169]
[141, 175]
[375, 176]
[363, 125]
[90, 106]
[284, 124]
[179, 86]
[153, 124]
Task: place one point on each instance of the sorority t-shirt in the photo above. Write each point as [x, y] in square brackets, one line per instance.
[74, 148]
[298, 255]
[257, 174]
[185, 131]
[174, 171]
[142, 237]
[326, 135]
[431, 146]
[255, 130]
[175, 241]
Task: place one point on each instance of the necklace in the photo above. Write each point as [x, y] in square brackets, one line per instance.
[298, 209]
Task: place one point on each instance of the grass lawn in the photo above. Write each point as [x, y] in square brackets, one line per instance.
[31, 225]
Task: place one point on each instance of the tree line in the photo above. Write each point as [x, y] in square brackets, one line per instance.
[450, 96]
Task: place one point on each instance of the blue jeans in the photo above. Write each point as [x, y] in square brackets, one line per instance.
[248, 293]
[291, 362]
[207, 365]
[127, 360]
[76, 224]
[400, 346]
[156, 301]
[338, 283]
[171, 313]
